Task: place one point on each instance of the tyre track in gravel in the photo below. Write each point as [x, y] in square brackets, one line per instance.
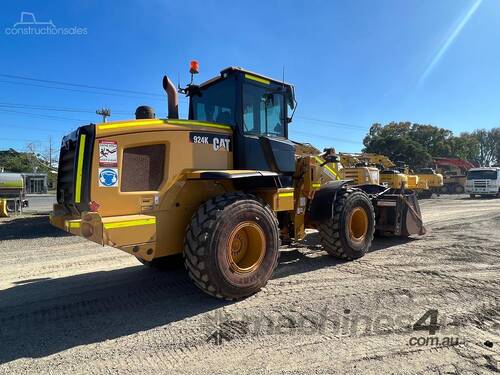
[131, 319]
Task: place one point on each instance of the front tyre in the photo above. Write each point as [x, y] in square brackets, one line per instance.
[232, 246]
[349, 234]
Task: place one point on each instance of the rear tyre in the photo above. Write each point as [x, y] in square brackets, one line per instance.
[232, 245]
[444, 189]
[459, 189]
[11, 206]
[472, 196]
[349, 234]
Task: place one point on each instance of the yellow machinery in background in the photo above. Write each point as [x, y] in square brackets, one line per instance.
[434, 181]
[359, 172]
[222, 187]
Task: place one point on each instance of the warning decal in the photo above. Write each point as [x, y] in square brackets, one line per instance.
[108, 153]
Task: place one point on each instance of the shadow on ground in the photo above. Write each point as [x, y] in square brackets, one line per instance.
[28, 227]
[40, 317]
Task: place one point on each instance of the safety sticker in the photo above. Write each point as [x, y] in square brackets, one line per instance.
[108, 177]
[108, 153]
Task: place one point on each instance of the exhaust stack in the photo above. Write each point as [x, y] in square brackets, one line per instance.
[173, 98]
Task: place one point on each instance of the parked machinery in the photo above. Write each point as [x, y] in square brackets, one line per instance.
[222, 187]
[454, 173]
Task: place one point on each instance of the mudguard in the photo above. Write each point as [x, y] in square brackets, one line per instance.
[322, 204]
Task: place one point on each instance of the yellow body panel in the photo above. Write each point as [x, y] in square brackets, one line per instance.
[172, 205]
[394, 180]
[432, 180]
[3, 208]
[361, 175]
[412, 181]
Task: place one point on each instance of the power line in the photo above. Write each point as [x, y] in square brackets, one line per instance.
[77, 90]
[42, 116]
[345, 124]
[23, 140]
[116, 90]
[326, 137]
[79, 85]
[55, 109]
[30, 127]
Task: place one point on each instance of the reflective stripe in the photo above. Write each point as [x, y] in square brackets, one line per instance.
[160, 122]
[316, 186]
[198, 123]
[79, 169]
[73, 224]
[321, 161]
[284, 195]
[258, 79]
[130, 124]
[130, 223]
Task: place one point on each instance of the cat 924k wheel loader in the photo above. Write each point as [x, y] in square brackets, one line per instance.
[223, 187]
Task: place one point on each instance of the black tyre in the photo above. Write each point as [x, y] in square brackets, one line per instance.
[232, 246]
[349, 234]
[11, 206]
[459, 189]
[472, 196]
[444, 189]
[425, 194]
[170, 262]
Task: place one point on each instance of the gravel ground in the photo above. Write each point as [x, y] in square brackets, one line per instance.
[70, 306]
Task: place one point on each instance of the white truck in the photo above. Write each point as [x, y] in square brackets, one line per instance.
[483, 181]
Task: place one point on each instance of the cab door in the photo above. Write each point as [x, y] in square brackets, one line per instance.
[261, 137]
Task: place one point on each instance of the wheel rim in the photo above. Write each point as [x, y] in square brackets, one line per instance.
[246, 247]
[358, 224]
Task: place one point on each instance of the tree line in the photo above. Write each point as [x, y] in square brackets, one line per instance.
[416, 144]
[19, 162]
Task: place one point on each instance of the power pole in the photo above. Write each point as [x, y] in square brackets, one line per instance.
[50, 153]
[104, 112]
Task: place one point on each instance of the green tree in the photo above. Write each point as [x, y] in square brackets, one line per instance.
[394, 141]
[416, 144]
[487, 146]
[19, 162]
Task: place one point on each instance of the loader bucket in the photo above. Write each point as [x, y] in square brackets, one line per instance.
[398, 212]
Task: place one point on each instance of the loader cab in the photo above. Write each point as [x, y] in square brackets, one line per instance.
[257, 108]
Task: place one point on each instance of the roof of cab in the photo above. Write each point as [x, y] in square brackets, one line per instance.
[232, 69]
[485, 169]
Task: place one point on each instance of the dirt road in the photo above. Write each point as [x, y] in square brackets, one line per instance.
[70, 306]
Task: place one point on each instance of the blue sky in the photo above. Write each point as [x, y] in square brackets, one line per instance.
[353, 63]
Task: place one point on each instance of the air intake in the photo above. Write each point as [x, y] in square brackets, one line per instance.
[144, 112]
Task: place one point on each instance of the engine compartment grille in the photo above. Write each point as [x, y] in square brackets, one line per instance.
[82, 140]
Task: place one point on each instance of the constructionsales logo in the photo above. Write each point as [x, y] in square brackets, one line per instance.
[28, 24]
[219, 142]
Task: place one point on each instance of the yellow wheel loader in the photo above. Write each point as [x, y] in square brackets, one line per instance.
[223, 187]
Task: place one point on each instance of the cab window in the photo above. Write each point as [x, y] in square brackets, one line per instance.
[215, 103]
[263, 110]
